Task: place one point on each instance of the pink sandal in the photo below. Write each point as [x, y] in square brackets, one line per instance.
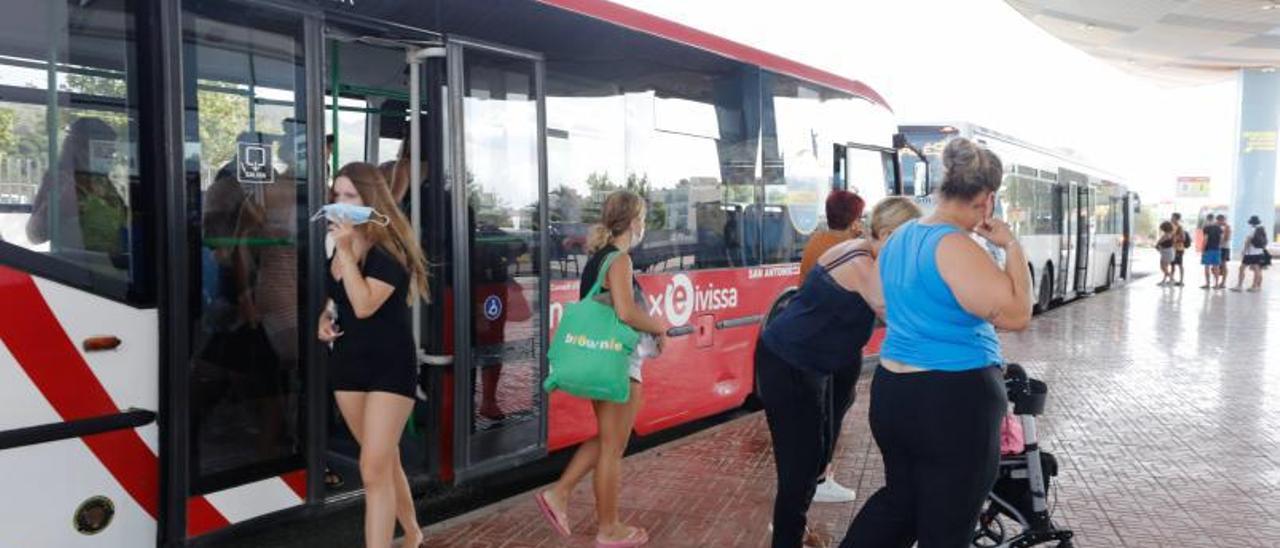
[637, 537]
[558, 522]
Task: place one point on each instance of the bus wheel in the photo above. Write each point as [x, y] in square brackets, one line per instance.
[1111, 272]
[1046, 292]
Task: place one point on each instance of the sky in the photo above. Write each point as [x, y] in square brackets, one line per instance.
[981, 61]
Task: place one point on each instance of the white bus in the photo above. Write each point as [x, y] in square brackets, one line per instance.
[1074, 221]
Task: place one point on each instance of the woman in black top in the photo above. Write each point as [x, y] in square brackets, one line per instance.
[820, 332]
[375, 274]
[621, 228]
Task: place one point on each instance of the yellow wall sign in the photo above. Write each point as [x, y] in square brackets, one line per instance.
[1259, 141]
[1193, 187]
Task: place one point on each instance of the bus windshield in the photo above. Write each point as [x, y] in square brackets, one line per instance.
[930, 142]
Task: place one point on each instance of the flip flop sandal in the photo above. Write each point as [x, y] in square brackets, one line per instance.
[637, 537]
[557, 521]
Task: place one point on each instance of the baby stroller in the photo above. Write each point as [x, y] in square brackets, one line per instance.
[1016, 513]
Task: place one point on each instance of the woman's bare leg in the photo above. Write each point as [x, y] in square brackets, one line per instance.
[616, 420]
[351, 406]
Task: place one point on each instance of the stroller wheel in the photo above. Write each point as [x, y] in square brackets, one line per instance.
[990, 531]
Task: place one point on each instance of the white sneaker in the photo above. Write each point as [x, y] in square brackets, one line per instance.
[830, 491]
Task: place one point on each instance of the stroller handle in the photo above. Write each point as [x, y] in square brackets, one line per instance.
[1027, 395]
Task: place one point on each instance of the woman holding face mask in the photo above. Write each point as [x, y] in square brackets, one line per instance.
[376, 272]
[938, 397]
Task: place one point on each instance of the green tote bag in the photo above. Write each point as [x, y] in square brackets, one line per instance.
[591, 349]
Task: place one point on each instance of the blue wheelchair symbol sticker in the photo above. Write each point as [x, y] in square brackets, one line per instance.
[492, 307]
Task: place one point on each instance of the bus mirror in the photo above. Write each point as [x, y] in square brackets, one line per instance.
[922, 174]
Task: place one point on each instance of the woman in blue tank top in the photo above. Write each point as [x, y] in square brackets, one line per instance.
[937, 398]
[820, 332]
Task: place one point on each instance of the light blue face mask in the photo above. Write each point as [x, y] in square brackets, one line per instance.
[354, 214]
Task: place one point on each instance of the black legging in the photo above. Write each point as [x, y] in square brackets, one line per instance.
[841, 388]
[795, 406]
[939, 434]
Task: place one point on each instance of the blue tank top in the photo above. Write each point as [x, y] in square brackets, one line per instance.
[927, 327]
[825, 326]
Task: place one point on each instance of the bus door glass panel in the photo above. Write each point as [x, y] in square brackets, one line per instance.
[1084, 223]
[367, 120]
[502, 405]
[870, 176]
[243, 90]
[1062, 216]
[1126, 232]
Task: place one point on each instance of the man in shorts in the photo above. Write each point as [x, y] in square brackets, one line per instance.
[1226, 251]
[1211, 257]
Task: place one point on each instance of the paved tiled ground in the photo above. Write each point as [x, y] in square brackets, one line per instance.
[1164, 412]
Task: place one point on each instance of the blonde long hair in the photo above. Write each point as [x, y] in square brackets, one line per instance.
[397, 237]
[620, 209]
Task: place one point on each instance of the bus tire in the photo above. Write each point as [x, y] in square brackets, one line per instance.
[753, 401]
[1111, 272]
[1046, 290]
[1035, 305]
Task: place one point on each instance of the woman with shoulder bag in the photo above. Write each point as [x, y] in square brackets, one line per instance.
[621, 228]
[1255, 255]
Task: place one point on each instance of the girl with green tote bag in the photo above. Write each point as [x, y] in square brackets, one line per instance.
[597, 352]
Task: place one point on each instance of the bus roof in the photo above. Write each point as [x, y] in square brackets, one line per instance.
[981, 131]
[670, 30]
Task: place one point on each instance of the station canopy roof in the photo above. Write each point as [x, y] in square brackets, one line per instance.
[1176, 42]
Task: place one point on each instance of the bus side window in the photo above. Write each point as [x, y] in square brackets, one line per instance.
[69, 193]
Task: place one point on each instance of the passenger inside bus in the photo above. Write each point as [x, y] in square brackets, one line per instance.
[398, 173]
[78, 207]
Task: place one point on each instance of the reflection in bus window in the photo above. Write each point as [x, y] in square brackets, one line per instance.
[796, 173]
[69, 175]
[245, 124]
[674, 147]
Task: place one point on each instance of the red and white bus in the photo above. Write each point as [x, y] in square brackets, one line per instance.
[160, 381]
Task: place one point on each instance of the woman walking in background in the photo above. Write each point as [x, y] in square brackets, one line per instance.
[1254, 255]
[1164, 245]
